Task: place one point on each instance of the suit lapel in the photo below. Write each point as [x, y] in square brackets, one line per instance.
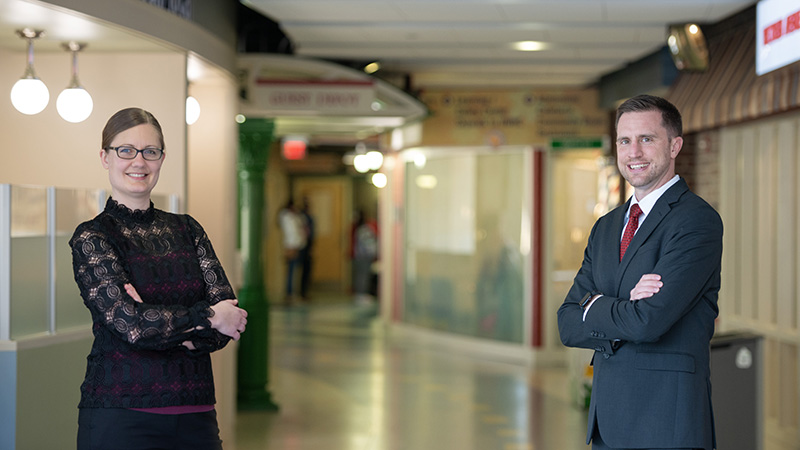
[607, 250]
[656, 215]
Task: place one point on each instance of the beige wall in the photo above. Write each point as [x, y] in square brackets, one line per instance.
[46, 150]
[758, 166]
[276, 193]
[211, 164]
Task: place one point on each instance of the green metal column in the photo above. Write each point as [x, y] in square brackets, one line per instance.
[255, 137]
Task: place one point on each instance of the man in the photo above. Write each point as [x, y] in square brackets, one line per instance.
[294, 239]
[645, 298]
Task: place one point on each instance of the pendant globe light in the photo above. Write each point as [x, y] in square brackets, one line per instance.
[74, 104]
[192, 110]
[29, 94]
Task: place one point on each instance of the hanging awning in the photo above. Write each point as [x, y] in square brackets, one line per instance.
[730, 91]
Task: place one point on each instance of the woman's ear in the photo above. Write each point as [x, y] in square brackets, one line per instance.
[104, 158]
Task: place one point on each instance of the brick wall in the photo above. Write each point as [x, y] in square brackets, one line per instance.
[698, 164]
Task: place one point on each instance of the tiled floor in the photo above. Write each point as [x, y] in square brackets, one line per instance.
[343, 384]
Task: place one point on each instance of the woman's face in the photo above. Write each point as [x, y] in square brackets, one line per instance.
[132, 180]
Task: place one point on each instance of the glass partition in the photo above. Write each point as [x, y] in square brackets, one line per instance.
[30, 268]
[466, 243]
[41, 296]
[584, 185]
[73, 206]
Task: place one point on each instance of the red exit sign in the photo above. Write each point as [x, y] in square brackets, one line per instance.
[782, 27]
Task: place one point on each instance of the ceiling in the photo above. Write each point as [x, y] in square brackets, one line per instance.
[437, 43]
[61, 26]
[422, 44]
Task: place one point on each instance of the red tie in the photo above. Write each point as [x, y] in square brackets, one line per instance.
[630, 229]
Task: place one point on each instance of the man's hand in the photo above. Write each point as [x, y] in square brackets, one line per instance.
[647, 286]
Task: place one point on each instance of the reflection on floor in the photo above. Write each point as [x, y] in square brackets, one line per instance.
[343, 384]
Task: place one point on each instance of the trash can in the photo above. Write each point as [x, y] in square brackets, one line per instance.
[736, 381]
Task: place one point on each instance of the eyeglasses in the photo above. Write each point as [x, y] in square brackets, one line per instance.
[128, 152]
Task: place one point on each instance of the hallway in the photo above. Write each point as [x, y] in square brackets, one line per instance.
[343, 383]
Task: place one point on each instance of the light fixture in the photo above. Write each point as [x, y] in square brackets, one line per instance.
[29, 94]
[74, 104]
[372, 67]
[426, 181]
[361, 163]
[374, 159]
[192, 110]
[530, 46]
[687, 46]
[379, 180]
[417, 157]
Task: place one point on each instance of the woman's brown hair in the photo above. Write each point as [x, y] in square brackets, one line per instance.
[126, 119]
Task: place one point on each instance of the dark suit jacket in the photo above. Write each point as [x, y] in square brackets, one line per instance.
[651, 384]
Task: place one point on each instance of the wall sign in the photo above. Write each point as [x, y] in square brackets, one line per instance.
[341, 97]
[511, 117]
[777, 34]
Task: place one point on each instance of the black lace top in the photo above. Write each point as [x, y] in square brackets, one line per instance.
[137, 358]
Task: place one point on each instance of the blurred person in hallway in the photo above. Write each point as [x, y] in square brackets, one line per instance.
[645, 297]
[499, 286]
[160, 304]
[364, 252]
[294, 239]
[306, 253]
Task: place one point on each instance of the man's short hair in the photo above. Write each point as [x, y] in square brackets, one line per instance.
[670, 116]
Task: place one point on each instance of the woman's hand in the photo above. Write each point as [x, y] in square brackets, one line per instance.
[132, 292]
[228, 318]
[647, 286]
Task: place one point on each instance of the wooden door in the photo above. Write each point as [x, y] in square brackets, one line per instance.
[330, 206]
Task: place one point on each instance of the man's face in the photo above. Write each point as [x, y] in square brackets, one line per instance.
[645, 152]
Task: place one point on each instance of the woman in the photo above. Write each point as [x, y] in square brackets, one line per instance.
[160, 304]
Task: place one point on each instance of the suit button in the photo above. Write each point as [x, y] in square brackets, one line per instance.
[606, 355]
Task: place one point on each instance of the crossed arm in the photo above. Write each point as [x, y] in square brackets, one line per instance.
[108, 292]
[648, 285]
[227, 317]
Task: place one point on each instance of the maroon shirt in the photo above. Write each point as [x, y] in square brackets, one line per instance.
[137, 359]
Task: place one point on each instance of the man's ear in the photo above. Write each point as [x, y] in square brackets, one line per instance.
[104, 158]
[675, 146]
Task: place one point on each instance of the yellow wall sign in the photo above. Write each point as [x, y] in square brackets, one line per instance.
[510, 117]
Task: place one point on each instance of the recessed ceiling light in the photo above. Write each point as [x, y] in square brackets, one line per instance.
[372, 67]
[529, 46]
